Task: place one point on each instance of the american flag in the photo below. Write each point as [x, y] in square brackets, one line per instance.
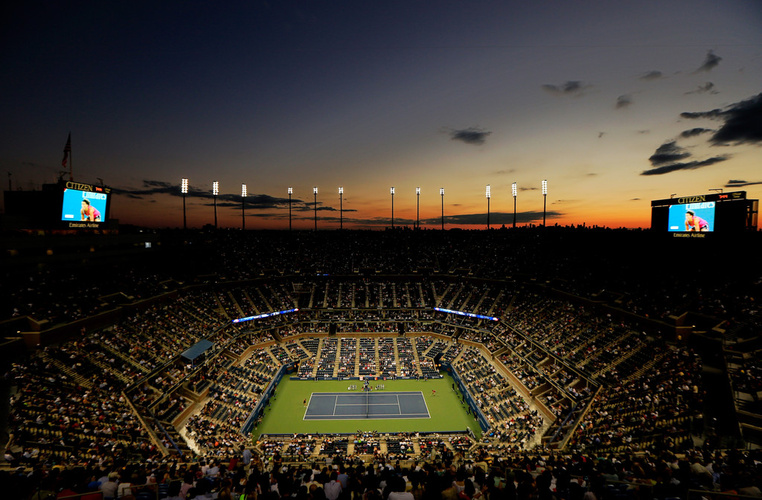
[67, 150]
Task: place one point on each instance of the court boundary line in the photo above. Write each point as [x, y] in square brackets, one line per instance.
[366, 417]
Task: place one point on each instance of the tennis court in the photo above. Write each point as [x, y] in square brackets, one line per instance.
[346, 406]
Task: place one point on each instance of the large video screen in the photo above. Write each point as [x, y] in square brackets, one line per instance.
[692, 217]
[83, 206]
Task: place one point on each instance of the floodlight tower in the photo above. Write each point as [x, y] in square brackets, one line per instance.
[441, 193]
[514, 191]
[418, 208]
[392, 193]
[290, 192]
[184, 191]
[341, 208]
[215, 192]
[544, 200]
[488, 197]
[243, 205]
[314, 193]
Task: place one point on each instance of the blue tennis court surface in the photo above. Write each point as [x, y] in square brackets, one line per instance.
[345, 406]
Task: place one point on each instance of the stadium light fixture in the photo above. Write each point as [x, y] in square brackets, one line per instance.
[314, 193]
[290, 192]
[418, 208]
[341, 208]
[544, 200]
[441, 193]
[391, 191]
[489, 195]
[184, 191]
[514, 191]
[215, 193]
[243, 206]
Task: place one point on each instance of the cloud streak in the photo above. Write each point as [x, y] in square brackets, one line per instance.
[685, 134]
[569, 88]
[708, 87]
[742, 122]
[736, 183]
[710, 62]
[254, 201]
[668, 152]
[471, 135]
[623, 101]
[652, 75]
[690, 165]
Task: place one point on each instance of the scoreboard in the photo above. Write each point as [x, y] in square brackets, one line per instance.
[700, 215]
[84, 206]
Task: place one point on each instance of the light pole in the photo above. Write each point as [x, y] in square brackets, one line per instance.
[488, 197]
[392, 193]
[243, 205]
[184, 191]
[215, 192]
[290, 192]
[314, 193]
[341, 208]
[418, 208]
[514, 191]
[544, 200]
[441, 193]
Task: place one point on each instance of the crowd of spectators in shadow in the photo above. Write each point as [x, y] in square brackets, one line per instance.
[451, 476]
[587, 267]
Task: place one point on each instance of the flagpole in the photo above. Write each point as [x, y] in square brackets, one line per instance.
[71, 162]
[67, 158]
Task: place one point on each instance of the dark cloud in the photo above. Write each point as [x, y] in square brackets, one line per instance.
[652, 75]
[667, 153]
[384, 221]
[254, 202]
[571, 87]
[225, 200]
[634, 199]
[685, 134]
[268, 215]
[504, 172]
[703, 89]
[470, 135]
[736, 183]
[150, 187]
[495, 218]
[623, 101]
[528, 188]
[710, 61]
[742, 122]
[310, 205]
[690, 165]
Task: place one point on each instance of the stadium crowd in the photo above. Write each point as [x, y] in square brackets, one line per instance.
[451, 475]
[556, 370]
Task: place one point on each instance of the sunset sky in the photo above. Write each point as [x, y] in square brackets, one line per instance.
[614, 103]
